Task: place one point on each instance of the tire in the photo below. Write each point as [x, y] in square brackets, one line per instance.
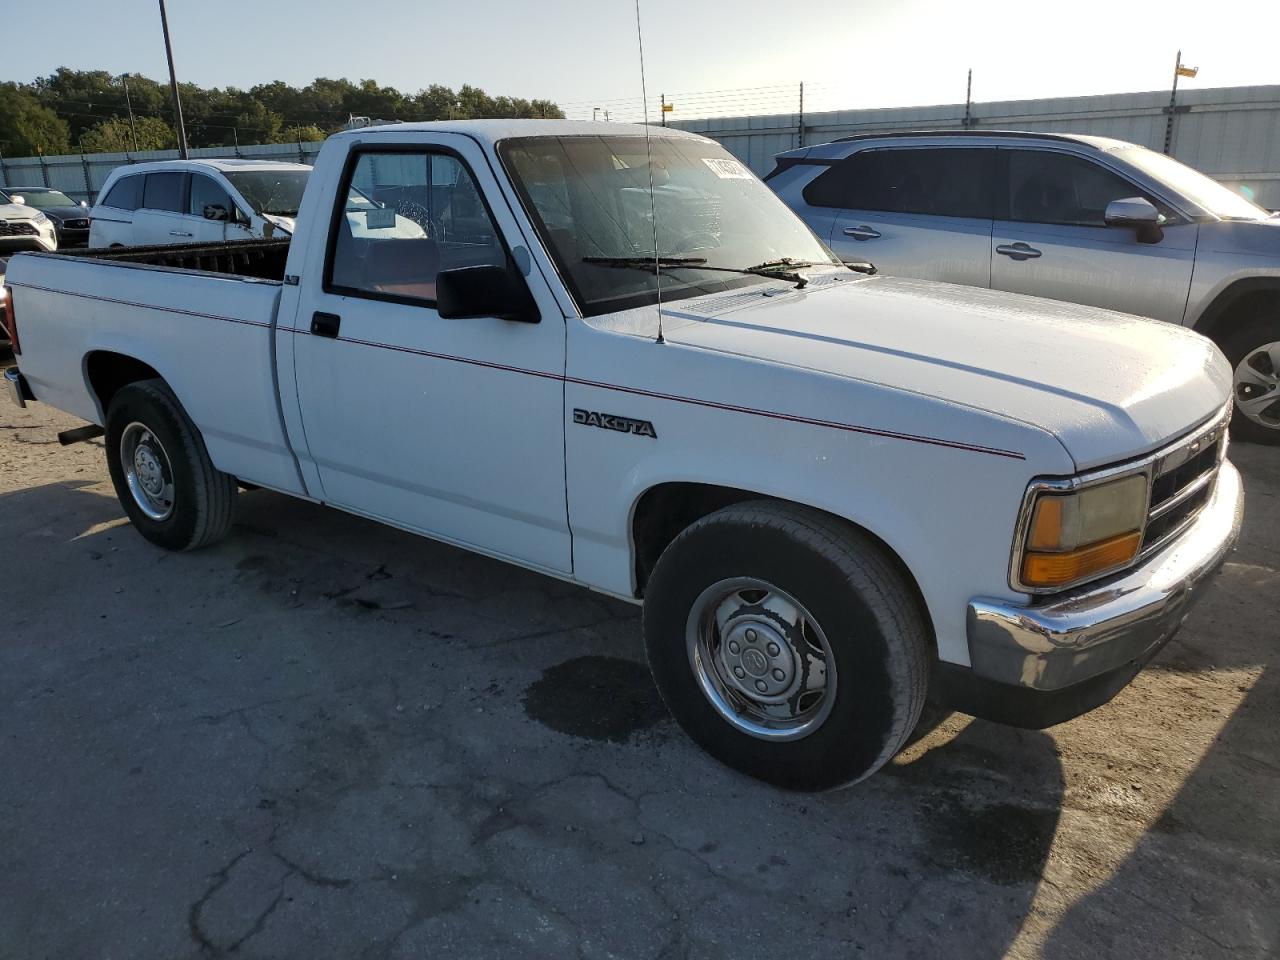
[172, 492]
[1259, 379]
[862, 637]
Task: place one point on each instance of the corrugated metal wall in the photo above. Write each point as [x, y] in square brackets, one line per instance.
[1231, 133]
[81, 177]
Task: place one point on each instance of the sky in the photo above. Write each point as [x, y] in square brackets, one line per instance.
[707, 57]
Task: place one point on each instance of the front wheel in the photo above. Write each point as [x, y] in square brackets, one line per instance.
[787, 644]
[1254, 353]
[172, 492]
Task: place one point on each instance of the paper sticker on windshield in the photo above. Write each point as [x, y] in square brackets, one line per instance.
[727, 169]
[380, 219]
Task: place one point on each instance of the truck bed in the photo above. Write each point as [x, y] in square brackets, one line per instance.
[260, 259]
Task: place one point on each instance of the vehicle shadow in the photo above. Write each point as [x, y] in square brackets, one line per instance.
[1203, 879]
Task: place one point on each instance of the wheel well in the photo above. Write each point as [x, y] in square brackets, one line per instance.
[1240, 300]
[665, 510]
[108, 372]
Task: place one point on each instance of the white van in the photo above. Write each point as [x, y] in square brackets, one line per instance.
[197, 201]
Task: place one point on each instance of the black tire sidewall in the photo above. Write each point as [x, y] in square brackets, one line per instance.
[852, 739]
[1237, 345]
[151, 406]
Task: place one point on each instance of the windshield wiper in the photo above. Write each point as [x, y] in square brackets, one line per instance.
[783, 269]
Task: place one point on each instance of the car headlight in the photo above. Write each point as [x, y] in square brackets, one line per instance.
[1076, 535]
[39, 217]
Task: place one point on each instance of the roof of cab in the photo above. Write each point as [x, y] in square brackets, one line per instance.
[489, 132]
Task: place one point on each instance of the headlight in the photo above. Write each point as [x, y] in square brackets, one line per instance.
[1076, 535]
[39, 217]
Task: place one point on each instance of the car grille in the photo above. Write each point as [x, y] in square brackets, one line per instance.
[81, 224]
[17, 228]
[1182, 482]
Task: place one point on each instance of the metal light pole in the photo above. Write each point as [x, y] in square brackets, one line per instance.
[1178, 71]
[173, 85]
[124, 78]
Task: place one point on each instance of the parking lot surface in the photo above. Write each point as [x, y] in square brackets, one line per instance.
[326, 738]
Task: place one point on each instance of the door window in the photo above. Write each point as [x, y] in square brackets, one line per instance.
[406, 217]
[126, 193]
[950, 182]
[164, 192]
[207, 197]
[1059, 188]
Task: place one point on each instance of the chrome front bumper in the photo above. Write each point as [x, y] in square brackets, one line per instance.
[1098, 630]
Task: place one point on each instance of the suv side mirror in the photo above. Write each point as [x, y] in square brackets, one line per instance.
[484, 291]
[1137, 213]
[19, 200]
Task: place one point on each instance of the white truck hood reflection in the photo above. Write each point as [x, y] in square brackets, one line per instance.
[1108, 385]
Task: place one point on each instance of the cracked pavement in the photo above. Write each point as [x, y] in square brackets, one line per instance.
[326, 738]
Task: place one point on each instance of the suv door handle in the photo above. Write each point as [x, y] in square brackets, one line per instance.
[178, 233]
[862, 232]
[325, 324]
[1018, 251]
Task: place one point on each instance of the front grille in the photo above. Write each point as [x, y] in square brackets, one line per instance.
[76, 224]
[17, 228]
[1181, 484]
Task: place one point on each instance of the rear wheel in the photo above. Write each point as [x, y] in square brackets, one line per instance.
[161, 471]
[787, 644]
[1254, 353]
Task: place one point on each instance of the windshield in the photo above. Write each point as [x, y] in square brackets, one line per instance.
[589, 200]
[1192, 184]
[42, 199]
[277, 192]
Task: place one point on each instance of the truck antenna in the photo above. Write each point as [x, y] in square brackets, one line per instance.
[648, 150]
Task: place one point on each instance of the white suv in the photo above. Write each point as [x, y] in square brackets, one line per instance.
[1084, 219]
[196, 201]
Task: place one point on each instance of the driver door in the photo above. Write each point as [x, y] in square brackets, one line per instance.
[450, 427]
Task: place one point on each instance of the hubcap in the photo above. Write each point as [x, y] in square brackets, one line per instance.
[761, 659]
[147, 471]
[1257, 385]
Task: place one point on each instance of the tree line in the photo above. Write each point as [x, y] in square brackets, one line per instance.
[72, 111]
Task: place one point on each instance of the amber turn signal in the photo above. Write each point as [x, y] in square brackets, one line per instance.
[1059, 569]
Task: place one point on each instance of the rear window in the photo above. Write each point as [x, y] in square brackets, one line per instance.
[945, 182]
[164, 192]
[125, 195]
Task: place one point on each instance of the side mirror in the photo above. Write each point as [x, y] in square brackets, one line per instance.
[861, 266]
[20, 201]
[216, 211]
[484, 291]
[1136, 213]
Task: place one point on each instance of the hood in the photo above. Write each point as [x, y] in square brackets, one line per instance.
[17, 211]
[284, 223]
[1108, 385]
[67, 213]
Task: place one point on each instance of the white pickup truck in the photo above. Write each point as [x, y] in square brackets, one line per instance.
[835, 494]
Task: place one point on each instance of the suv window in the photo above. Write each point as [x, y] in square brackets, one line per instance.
[1059, 188]
[946, 182]
[407, 217]
[126, 193]
[164, 192]
[206, 194]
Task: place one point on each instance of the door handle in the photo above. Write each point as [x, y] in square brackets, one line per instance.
[178, 233]
[862, 232]
[1018, 251]
[325, 324]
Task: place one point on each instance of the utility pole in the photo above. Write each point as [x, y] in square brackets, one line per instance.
[1178, 71]
[173, 85]
[133, 129]
[662, 107]
[968, 102]
[800, 119]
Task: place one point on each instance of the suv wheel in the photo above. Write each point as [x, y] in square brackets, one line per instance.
[1254, 353]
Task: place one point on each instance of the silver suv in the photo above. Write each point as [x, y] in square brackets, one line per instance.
[1085, 219]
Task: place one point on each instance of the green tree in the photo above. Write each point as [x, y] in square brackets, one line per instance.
[26, 127]
[117, 136]
[301, 134]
